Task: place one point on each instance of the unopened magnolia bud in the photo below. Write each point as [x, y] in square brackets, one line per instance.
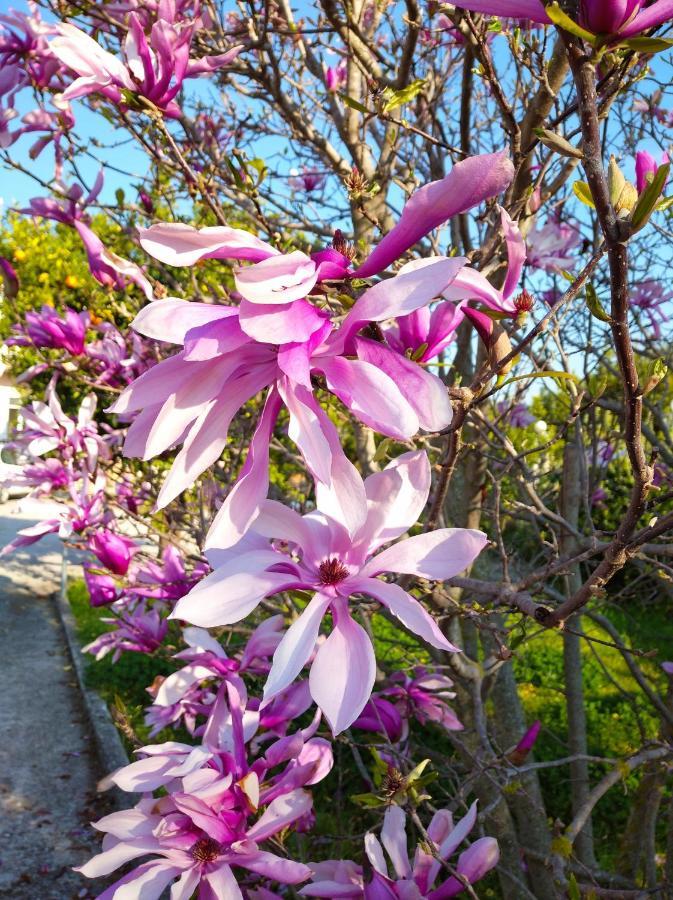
[499, 348]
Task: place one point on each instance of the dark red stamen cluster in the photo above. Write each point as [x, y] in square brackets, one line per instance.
[524, 301]
[332, 571]
[342, 246]
[205, 850]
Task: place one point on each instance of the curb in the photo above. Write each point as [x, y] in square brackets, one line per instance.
[109, 747]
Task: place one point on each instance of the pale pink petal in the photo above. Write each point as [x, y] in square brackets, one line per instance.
[343, 672]
[370, 395]
[394, 839]
[286, 871]
[220, 885]
[409, 611]
[306, 429]
[232, 592]
[296, 647]
[469, 182]
[281, 324]
[177, 244]
[147, 882]
[116, 856]
[280, 813]
[425, 393]
[279, 279]
[437, 555]
[395, 499]
[170, 319]
[245, 498]
[374, 852]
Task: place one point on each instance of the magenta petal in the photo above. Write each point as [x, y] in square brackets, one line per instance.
[469, 183]
[654, 15]
[183, 245]
[516, 253]
[509, 9]
[343, 672]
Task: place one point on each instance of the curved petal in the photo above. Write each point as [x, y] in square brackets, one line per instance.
[296, 647]
[280, 813]
[279, 279]
[371, 395]
[230, 594]
[177, 244]
[409, 611]
[280, 324]
[243, 501]
[437, 555]
[343, 672]
[509, 9]
[424, 392]
[394, 839]
[516, 252]
[395, 499]
[468, 183]
[654, 15]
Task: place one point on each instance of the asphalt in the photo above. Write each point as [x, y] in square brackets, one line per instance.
[48, 765]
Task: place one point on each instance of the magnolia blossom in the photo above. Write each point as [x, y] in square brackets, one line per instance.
[336, 76]
[153, 68]
[69, 209]
[277, 339]
[616, 19]
[216, 811]
[647, 167]
[136, 630]
[550, 247]
[335, 555]
[10, 280]
[422, 878]
[48, 329]
[114, 551]
[652, 299]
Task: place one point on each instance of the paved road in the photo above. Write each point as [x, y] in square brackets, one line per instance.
[48, 767]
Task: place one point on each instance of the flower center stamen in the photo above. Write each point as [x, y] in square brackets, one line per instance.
[332, 571]
[205, 850]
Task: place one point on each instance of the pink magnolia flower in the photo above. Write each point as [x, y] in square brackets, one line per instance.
[165, 579]
[421, 878]
[193, 396]
[69, 209]
[423, 695]
[23, 42]
[615, 19]
[216, 810]
[48, 329]
[153, 68]
[10, 280]
[336, 76]
[136, 630]
[652, 299]
[517, 415]
[46, 427]
[102, 589]
[114, 551]
[646, 168]
[335, 556]
[308, 180]
[550, 247]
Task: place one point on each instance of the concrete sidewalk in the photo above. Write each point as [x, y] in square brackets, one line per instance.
[48, 767]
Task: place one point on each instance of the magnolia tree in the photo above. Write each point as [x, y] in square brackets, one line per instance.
[374, 401]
